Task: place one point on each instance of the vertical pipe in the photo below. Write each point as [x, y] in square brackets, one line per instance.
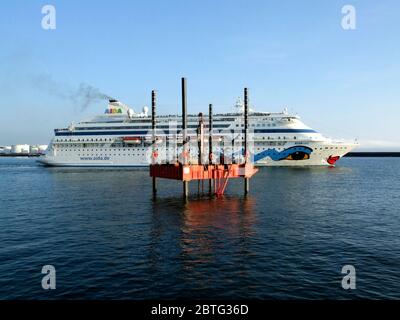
[246, 124]
[153, 126]
[184, 135]
[200, 139]
[210, 136]
[210, 128]
[184, 120]
[233, 150]
[246, 109]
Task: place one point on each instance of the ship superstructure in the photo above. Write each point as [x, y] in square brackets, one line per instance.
[121, 137]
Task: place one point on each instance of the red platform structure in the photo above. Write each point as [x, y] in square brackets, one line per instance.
[218, 175]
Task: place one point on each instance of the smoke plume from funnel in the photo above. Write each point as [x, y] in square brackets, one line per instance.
[87, 94]
[83, 95]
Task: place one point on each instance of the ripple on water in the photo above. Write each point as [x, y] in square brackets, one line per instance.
[289, 239]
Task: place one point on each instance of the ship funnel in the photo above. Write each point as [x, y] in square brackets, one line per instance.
[116, 107]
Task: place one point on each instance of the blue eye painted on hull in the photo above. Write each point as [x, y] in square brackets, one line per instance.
[292, 153]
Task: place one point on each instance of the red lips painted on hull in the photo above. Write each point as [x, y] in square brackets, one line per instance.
[332, 159]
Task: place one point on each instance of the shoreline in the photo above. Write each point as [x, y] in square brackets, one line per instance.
[373, 154]
[19, 155]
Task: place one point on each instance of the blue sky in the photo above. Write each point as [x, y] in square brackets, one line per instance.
[344, 83]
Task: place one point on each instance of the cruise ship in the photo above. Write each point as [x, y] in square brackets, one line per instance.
[122, 137]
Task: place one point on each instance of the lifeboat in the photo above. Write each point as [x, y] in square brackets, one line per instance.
[132, 140]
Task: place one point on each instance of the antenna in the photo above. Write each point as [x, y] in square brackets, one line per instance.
[239, 105]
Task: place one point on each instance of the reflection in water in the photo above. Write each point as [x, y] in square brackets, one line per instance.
[202, 234]
[226, 218]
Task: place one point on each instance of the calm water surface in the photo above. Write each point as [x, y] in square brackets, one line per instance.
[289, 239]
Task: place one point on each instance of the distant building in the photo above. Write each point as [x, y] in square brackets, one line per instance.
[23, 149]
[38, 149]
[42, 148]
[5, 149]
[20, 148]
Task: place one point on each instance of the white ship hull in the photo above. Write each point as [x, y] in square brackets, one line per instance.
[121, 139]
[320, 156]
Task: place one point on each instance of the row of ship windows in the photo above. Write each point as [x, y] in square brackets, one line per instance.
[191, 117]
[148, 127]
[97, 150]
[257, 125]
[96, 145]
[65, 147]
[143, 149]
[108, 155]
[111, 140]
[79, 140]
